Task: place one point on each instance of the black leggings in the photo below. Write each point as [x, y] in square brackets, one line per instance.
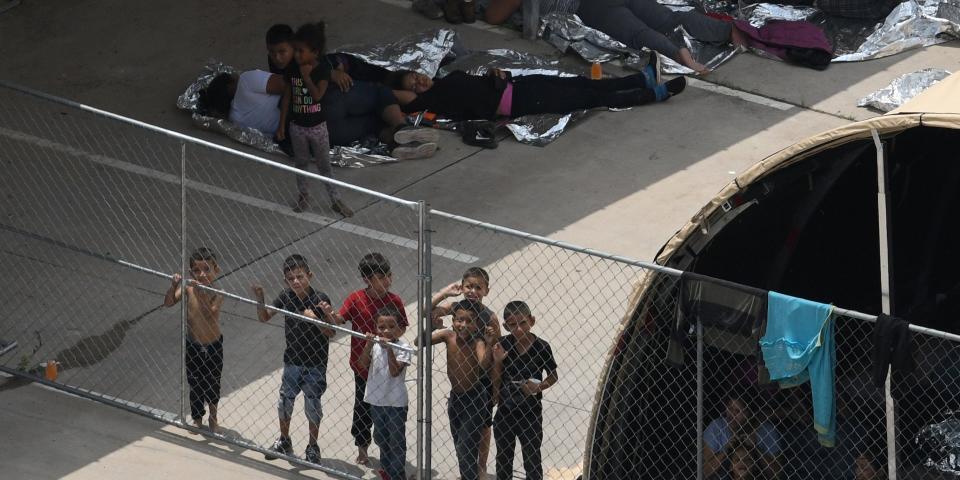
[533, 94]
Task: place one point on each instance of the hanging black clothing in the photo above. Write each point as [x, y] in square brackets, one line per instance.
[892, 347]
[716, 303]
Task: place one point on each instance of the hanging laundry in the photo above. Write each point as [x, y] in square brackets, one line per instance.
[799, 346]
[892, 347]
[715, 303]
[798, 42]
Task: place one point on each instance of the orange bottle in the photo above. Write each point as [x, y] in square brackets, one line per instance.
[51, 371]
[596, 71]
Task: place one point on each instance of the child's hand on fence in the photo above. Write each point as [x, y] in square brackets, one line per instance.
[529, 388]
[175, 279]
[257, 292]
[452, 290]
[310, 314]
[328, 311]
[490, 335]
[499, 353]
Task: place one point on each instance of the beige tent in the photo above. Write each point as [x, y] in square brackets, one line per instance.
[805, 221]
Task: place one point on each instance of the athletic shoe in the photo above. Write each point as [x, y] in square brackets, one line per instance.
[416, 134]
[282, 446]
[451, 11]
[479, 134]
[312, 453]
[428, 8]
[339, 207]
[652, 71]
[415, 150]
[468, 10]
[670, 88]
[303, 203]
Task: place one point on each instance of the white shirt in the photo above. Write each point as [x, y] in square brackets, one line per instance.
[252, 106]
[384, 390]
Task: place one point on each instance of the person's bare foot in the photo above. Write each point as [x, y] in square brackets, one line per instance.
[737, 38]
[362, 457]
[214, 425]
[197, 422]
[687, 60]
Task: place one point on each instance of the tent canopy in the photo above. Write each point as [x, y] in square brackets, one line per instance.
[803, 221]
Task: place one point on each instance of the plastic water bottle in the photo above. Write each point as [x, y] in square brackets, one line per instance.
[50, 373]
[596, 71]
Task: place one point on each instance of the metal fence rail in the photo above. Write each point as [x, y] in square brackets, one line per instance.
[101, 212]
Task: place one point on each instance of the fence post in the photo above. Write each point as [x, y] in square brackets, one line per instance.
[699, 400]
[424, 330]
[886, 288]
[183, 277]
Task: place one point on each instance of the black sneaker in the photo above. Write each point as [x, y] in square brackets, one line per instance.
[479, 134]
[303, 203]
[282, 446]
[341, 208]
[312, 453]
[416, 134]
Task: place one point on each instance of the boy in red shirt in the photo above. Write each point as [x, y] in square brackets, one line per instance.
[360, 308]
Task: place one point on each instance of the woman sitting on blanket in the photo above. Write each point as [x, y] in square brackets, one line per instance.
[461, 96]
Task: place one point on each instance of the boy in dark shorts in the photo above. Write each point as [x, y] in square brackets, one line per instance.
[519, 363]
[468, 359]
[305, 357]
[204, 344]
[474, 285]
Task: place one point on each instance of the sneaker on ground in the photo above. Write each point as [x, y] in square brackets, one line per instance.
[339, 207]
[416, 134]
[303, 203]
[415, 150]
[428, 8]
[282, 446]
[312, 453]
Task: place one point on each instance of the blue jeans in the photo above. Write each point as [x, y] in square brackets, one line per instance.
[312, 382]
[469, 412]
[390, 433]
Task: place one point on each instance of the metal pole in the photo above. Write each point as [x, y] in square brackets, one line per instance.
[699, 400]
[183, 277]
[885, 303]
[425, 365]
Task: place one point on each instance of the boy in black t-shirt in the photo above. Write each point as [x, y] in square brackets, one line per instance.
[519, 362]
[305, 357]
[306, 83]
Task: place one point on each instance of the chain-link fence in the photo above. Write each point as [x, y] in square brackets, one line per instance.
[101, 214]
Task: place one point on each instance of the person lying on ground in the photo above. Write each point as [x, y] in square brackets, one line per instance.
[646, 23]
[251, 99]
[461, 96]
[497, 12]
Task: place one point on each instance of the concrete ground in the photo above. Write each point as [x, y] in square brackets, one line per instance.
[622, 182]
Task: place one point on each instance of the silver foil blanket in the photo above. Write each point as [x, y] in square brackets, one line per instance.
[538, 130]
[421, 52]
[912, 24]
[902, 89]
[939, 445]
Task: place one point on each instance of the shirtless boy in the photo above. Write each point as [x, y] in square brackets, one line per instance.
[204, 349]
[468, 359]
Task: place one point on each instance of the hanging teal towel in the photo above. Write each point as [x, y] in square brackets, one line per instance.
[799, 346]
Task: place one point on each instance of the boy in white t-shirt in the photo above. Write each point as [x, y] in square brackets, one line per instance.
[386, 392]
